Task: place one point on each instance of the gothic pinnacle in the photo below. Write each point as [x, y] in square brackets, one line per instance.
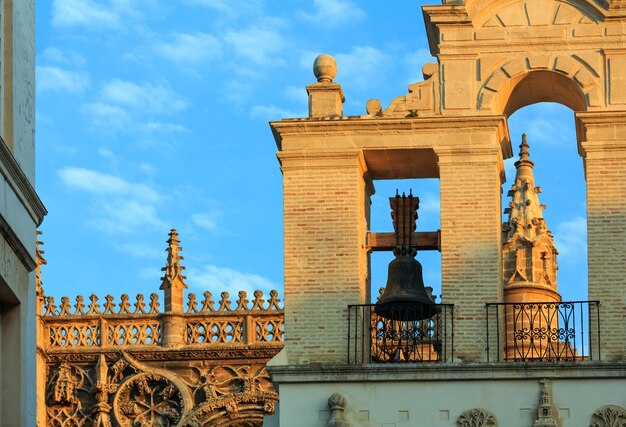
[173, 269]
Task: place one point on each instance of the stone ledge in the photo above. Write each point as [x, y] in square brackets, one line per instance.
[446, 372]
[19, 183]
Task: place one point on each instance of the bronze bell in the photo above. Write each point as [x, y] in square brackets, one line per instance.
[405, 297]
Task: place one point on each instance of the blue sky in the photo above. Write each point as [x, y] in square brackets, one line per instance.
[154, 114]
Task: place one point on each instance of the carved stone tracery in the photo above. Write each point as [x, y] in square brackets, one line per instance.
[129, 393]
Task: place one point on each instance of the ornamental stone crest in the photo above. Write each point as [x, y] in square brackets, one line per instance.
[609, 416]
[477, 418]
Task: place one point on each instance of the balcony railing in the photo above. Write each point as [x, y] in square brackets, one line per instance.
[376, 339]
[543, 331]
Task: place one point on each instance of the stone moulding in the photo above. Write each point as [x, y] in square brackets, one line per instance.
[12, 172]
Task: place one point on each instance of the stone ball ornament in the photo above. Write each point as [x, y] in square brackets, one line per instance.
[325, 68]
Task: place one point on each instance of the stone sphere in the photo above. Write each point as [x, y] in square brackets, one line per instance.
[325, 68]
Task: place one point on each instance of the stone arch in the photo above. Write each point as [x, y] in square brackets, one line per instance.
[529, 79]
[241, 410]
[515, 13]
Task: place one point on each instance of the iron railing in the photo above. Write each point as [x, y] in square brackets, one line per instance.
[376, 339]
[543, 331]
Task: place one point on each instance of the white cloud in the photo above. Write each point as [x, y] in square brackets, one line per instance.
[229, 7]
[296, 94]
[570, 239]
[272, 112]
[154, 126]
[544, 124]
[138, 250]
[307, 58]
[147, 97]
[207, 220]
[220, 5]
[333, 12]
[362, 66]
[147, 168]
[50, 78]
[85, 13]
[100, 183]
[107, 154]
[190, 49]
[260, 44]
[415, 61]
[129, 106]
[119, 206]
[218, 279]
[62, 56]
[429, 202]
[107, 116]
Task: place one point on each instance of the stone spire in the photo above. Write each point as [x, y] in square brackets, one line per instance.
[173, 280]
[529, 254]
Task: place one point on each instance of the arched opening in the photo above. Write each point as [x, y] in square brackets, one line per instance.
[558, 171]
[544, 86]
[544, 251]
[427, 189]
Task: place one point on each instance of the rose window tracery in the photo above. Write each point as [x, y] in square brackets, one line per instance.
[148, 400]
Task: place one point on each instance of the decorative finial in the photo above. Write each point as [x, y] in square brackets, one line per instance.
[524, 153]
[524, 165]
[325, 68]
[173, 269]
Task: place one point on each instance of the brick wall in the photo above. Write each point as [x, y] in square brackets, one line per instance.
[325, 211]
[471, 242]
[606, 233]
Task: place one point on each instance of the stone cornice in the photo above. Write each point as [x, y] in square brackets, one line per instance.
[600, 118]
[446, 372]
[437, 15]
[20, 184]
[351, 126]
[326, 159]
[14, 242]
[153, 353]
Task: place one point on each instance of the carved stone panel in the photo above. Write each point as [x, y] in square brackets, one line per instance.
[609, 416]
[477, 418]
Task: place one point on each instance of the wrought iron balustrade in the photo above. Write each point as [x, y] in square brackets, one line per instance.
[376, 339]
[543, 331]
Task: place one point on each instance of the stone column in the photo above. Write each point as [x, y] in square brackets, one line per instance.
[326, 206]
[471, 238]
[602, 139]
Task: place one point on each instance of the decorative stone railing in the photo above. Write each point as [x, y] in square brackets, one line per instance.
[244, 322]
